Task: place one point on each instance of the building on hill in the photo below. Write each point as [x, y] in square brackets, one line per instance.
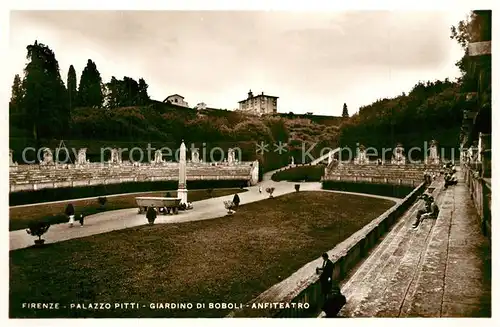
[177, 100]
[259, 105]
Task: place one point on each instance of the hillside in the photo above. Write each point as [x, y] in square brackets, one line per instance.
[165, 125]
[430, 111]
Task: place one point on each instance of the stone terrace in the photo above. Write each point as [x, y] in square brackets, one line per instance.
[441, 269]
[410, 174]
[34, 177]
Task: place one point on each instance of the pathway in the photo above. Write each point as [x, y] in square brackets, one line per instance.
[126, 218]
[441, 269]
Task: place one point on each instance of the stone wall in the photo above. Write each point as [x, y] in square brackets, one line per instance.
[35, 177]
[409, 174]
[346, 255]
[480, 189]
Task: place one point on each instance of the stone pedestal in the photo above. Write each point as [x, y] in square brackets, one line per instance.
[182, 194]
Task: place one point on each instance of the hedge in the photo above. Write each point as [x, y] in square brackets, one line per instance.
[302, 173]
[397, 191]
[67, 193]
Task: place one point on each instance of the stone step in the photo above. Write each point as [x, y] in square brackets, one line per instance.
[381, 284]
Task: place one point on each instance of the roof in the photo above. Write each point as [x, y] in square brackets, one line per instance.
[175, 95]
[259, 95]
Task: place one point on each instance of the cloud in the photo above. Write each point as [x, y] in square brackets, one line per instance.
[305, 58]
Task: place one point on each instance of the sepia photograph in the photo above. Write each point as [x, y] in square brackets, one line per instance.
[250, 164]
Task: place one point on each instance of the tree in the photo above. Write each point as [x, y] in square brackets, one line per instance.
[71, 84]
[17, 95]
[45, 96]
[90, 91]
[476, 70]
[345, 114]
[143, 92]
[126, 92]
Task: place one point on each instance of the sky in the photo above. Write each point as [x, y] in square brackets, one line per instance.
[313, 61]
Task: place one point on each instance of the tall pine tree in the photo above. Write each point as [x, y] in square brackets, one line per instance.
[345, 113]
[126, 92]
[143, 92]
[90, 91]
[71, 84]
[16, 96]
[45, 96]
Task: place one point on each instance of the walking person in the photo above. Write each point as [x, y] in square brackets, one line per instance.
[260, 189]
[81, 220]
[70, 212]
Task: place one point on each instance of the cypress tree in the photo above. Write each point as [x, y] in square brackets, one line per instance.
[345, 113]
[90, 91]
[72, 92]
[17, 95]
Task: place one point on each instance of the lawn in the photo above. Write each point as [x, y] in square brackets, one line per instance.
[20, 217]
[231, 259]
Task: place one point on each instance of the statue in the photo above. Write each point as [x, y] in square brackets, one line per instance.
[230, 156]
[82, 157]
[195, 156]
[48, 159]
[11, 161]
[361, 158]
[115, 157]
[473, 152]
[158, 157]
[398, 157]
[292, 162]
[433, 158]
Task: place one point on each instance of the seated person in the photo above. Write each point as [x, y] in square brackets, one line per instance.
[431, 210]
[450, 179]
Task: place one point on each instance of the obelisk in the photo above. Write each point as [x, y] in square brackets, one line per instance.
[182, 190]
